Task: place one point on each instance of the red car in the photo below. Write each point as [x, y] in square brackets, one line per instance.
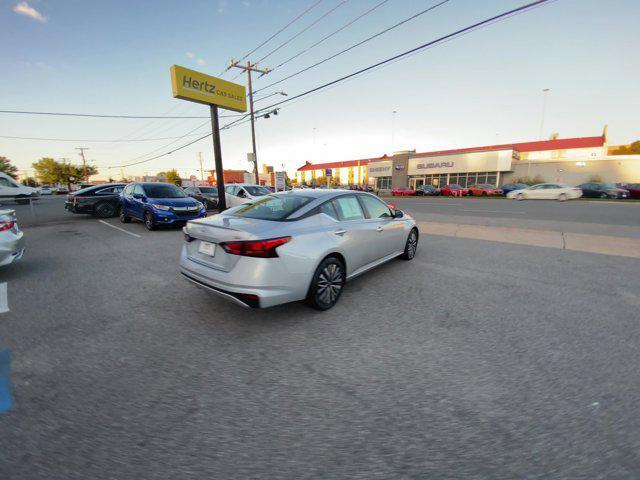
[634, 189]
[403, 192]
[449, 189]
[483, 190]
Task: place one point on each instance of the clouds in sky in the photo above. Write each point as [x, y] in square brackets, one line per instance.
[222, 6]
[23, 8]
[193, 56]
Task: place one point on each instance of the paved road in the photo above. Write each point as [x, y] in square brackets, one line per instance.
[582, 216]
[475, 360]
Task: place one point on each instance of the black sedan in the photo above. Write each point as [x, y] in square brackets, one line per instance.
[427, 190]
[603, 190]
[206, 195]
[99, 200]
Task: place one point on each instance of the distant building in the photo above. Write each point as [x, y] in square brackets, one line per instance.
[231, 176]
[568, 160]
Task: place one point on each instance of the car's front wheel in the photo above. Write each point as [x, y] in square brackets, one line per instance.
[148, 221]
[520, 196]
[411, 246]
[604, 195]
[124, 218]
[562, 197]
[327, 284]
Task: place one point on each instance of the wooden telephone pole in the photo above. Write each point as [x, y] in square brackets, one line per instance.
[84, 163]
[251, 67]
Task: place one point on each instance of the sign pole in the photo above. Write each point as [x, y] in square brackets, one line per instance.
[217, 153]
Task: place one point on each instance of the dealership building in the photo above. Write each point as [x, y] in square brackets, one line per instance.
[570, 160]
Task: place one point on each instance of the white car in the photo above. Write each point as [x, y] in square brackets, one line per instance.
[46, 190]
[546, 191]
[11, 238]
[292, 246]
[239, 193]
[10, 189]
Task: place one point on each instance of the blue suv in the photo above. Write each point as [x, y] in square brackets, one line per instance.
[158, 204]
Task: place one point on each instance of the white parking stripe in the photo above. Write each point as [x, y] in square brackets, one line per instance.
[493, 211]
[121, 229]
[4, 302]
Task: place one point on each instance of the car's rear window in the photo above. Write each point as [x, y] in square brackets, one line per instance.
[270, 207]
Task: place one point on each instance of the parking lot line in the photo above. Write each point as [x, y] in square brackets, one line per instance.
[492, 211]
[121, 229]
[4, 302]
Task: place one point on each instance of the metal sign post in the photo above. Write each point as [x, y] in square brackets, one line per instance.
[328, 173]
[217, 153]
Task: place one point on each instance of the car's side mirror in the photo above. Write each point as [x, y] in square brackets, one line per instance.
[398, 214]
[138, 196]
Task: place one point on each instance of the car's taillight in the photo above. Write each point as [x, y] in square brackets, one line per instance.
[255, 248]
[4, 226]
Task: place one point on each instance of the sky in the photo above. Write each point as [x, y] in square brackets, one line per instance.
[113, 57]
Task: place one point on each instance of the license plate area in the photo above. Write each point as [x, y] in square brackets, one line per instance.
[207, 248]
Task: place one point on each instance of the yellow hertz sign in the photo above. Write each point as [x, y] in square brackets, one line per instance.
[198, 87]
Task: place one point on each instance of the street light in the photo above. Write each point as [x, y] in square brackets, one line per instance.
[545, 93]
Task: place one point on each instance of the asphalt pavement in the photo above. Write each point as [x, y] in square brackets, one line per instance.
[474, 360]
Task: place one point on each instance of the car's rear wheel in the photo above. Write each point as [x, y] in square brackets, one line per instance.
[520, 196]
[604, 195]
[148, 221]
[105, 210]
[411, 246]
[562, 197]
[327, 284]
[124, 218]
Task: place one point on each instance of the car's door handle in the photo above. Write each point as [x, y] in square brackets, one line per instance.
[340, 232]
[379, 229]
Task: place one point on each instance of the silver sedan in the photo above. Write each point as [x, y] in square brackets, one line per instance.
[11, 238]
[290, 246]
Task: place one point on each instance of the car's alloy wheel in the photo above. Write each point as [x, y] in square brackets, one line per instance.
[411, 246]
[562, 197]
[603, 195]
[520, 196]
[105, 210]
[327, 284]
[148, 221]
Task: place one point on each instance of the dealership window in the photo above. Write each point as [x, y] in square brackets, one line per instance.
[384, 183]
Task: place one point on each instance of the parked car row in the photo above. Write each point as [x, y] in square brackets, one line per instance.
[522, 191]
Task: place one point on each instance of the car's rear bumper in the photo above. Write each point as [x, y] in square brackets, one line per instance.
[240, 285]
[11, 248]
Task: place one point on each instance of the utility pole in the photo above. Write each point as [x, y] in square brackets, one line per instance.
[251, 67]
[545, 93]
[84, 163]
[201, 170]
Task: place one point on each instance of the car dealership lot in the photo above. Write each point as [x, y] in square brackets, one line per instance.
[476, 359]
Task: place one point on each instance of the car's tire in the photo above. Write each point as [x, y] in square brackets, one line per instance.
[604, 195]
[124, 218]
[411, 246]
[148, 221]
[562, 197]
[484, 194]
[105, 210]
[520, 196]
[327, 284]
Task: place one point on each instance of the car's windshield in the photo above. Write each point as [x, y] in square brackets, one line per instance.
[255, 191]
[607, 185]
[271, 207]
[164, 191]
[209, 190]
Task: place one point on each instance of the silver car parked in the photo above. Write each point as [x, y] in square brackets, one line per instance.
[11, 238]
[292, 246]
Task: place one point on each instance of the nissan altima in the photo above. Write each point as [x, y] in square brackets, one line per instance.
[291, 246]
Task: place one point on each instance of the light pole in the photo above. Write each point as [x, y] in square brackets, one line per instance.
[545, 93]
[393, 128]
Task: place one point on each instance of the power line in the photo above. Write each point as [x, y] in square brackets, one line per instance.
[426, 10]
[96, 115]
[283, 28]
[412, 51]
[442, 39]
[94, 141]
[346, 25]
[286, 42]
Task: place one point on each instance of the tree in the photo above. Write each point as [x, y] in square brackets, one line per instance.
[50, 171]
[6, 167]
[632, 149]
[30, 182]
[174, 177]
